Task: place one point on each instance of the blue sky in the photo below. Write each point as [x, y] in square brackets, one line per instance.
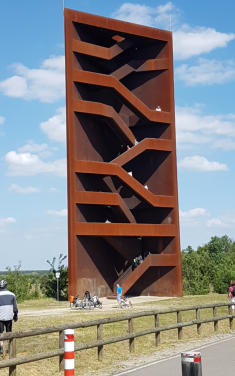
[33, 215]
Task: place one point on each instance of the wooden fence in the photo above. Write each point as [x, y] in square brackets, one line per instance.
[14, 361]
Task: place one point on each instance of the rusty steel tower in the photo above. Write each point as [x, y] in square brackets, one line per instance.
[122, 177]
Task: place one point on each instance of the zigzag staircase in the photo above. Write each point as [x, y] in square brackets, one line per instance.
[122, 180]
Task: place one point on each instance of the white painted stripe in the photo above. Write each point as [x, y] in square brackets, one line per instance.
[68, 346]
[69, 364]
[188, 360]
[69, 331]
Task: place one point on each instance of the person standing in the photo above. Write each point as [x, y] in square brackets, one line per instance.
[119, 294]
[8, 310]
[231, 292]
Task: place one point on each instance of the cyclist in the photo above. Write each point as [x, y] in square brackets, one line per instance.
[8, 310]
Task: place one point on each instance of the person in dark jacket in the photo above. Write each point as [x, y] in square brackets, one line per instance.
[8, 310]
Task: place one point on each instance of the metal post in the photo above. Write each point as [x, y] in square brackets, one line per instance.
[191, 363]
[57, 275]
[57, 289]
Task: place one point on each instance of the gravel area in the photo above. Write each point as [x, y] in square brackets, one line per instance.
[108, 305]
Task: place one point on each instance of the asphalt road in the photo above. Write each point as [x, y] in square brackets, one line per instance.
[218, 359]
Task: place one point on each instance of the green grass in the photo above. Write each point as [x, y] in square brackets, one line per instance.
[86, 361]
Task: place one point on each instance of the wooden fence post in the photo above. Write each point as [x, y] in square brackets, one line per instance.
[131, 340]
[157, 334]
[216, 326]
[179, 320]
[100, 336]
[61, 346]
[198, 318]
[230, 312]
[12, 354]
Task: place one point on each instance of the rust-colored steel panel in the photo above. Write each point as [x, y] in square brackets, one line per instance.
[121, 152]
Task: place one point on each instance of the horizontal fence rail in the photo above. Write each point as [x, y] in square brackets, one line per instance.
[14, 361]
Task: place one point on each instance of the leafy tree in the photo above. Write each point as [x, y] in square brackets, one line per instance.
[209, 267]
[195, 282]
[60, 265]
[218, 247]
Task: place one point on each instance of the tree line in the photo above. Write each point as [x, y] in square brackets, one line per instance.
[35, 285]
[209, 268]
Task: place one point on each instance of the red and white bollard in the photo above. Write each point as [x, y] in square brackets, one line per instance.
[69, 352]
[191, 363]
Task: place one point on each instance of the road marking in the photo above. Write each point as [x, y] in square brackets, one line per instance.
[172, 357]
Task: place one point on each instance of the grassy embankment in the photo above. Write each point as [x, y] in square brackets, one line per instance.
[86, 361]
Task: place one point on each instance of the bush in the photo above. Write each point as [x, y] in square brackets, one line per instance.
[20, 284]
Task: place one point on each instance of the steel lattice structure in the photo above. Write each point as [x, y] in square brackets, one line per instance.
[122, 176]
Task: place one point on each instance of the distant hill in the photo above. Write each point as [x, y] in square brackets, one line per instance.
[27, 272]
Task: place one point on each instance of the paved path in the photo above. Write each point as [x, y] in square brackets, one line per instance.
[218, 359]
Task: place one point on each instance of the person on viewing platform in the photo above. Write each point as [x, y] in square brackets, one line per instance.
[8, 310]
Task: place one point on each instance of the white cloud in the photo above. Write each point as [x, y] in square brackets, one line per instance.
[192, 138]
[192, 217]
[53, 189]
[136, 13]
[224, 144]
[55, 127]
[214, 222]
[151, 16]
[2, 120]
[192, 213]
[199, 163]
[222, 221]
[190, 41]
[59, 213]
[46, 83]
[28, 164]
[24, 190]
[207, 72]
[43, 150]
[192, 127]
[7, 220]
